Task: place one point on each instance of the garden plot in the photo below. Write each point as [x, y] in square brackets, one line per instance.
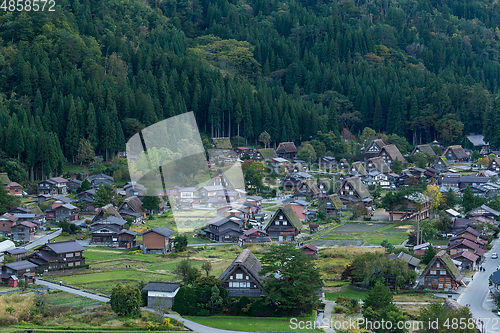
[337, 242]
[361, 227]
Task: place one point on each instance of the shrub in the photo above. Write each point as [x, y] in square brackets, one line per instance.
[185, 302]
[340, 309]
[260, 308]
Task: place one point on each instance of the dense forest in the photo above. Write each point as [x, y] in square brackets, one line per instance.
[102, 70]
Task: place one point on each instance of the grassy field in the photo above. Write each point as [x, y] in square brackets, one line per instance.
[369, 233]
[72, 300]
[111, 266]
[253, 324]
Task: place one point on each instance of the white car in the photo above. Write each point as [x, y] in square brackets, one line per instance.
[494, 256]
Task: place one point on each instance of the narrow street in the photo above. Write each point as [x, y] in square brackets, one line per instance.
[478, 297]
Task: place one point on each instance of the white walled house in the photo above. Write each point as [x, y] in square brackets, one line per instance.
[161, 293]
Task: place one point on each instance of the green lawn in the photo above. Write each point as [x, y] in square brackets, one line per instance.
[346, 292]
[253, 324]
[67, 299]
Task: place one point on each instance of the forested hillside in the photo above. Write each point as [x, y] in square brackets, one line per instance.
[103, 69]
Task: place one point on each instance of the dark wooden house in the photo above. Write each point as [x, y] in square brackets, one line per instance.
[223, 229]
[390, 153]
[286, 150]
[242, 276]
[58, 255]
[157, 240]
[373, 149]
[441, 273]
[284, 225]
[455, 154]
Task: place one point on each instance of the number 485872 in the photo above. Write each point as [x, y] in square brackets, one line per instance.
[28, 5]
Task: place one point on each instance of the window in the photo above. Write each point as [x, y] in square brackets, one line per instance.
[443, 272]
[239, 276]
[27, 269]
[437, 264]
[285, 223]
[70, 264]
[247, 277]
[277, 223]
[433, 272]
[281, 217]
[440, 286]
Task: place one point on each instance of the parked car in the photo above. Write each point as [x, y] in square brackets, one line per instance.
[494, 256]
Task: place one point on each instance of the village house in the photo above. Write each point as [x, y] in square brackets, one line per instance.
[327, 163]
[412, 261]
[59, 200]
[253, 236]
[377, 164]
[277, 162]
[333, 206]
[286, 150]
[73, 184]
[373, 149]
[267, 154]
[133, 188]
[423, 149]
[87, 197]
[441, 273]
[441, 163]
[206, 192]
[284, 225]
[293, 180]
[63, 212]
[494, 165]
[455, 154]
[484, 211]
[300, 207]
[390, 153]
[18, 253]
[100, 179]
[464, 244]
[54, 185]
[309, 187]
[161, 294]
[58, 255]
[309, 250]
[468, 259]
[157, 240]
[14, 188]
[242, 276]
[415, 207]
[105, 211]
[19, 270]
[23, 232]
[132, 206]
[478, 142]
[7, 221]
[222, 143]
[353, 190]
[110, 230]
[357, 169]
[255, 200]
[223, 229]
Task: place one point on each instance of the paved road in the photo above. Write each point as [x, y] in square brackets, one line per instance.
[72, 290]
[187, 323]
[42, 240]
[477, 293]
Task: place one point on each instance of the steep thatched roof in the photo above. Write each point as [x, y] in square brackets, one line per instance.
[359, 168]
[393, 152]
[360, 188]
[424, 149]
[134, 204]
[222, 143]
[246, 260]
[4, 178]
[458, 151]
[336, 202]
[311, 184]
[289, 214]
[288, 147]
[447, 262]
[268, 154]
[379, 164]
[443, 159]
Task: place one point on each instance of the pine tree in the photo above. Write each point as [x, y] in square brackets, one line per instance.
[238, 116]
[91, 126]
[72, 138]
